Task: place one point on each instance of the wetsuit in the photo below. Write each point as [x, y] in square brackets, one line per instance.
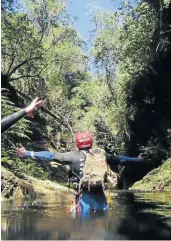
[88, 201]
[10, 120]
[77, 159]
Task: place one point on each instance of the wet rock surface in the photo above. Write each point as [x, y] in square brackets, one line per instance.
[29, 187]
[159, 179]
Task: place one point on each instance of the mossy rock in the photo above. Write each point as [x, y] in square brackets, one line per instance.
[14, 187]
[158, 179]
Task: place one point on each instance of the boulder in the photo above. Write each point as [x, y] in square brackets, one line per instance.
[159, 179]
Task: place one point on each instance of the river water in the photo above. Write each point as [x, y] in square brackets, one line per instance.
[131, 216]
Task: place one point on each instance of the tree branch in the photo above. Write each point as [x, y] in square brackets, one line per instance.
[21, 64]
[23, 76]
[45, 110]
[11, 65]
[4, 53]
[32, 76]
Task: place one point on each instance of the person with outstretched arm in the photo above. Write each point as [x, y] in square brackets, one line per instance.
[10, 120]
[77, 158]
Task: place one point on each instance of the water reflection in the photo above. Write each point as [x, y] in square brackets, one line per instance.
[130, 217]
[139, 222]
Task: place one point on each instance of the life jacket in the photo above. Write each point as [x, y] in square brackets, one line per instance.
[94, 171]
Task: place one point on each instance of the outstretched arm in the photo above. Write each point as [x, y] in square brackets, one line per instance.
[10, 120]
[122, 160]
[63, 158]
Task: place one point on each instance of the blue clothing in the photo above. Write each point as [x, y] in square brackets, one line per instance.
[42, 155]
[91, 202]
[124, 160]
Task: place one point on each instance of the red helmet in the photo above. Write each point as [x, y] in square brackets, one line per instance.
[84, 139]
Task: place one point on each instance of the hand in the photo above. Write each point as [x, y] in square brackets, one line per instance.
[34, 104]
[141, 156]
[21, 151]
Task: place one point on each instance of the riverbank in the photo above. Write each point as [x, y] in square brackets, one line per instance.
[19, 185]
[159, 179]
[28, 186]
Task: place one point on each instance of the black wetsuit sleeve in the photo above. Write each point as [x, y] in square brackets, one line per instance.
[66, 158]
[121, 160]
[112, 159]
[10, 120]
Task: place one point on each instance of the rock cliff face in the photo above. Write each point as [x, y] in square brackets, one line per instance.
[158, 179]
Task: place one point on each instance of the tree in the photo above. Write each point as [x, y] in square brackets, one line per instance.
[122, 49]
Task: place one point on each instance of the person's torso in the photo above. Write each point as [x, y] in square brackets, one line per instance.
[89, 166]
[79, 158]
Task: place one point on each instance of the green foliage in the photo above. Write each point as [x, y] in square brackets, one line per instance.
[122, 44]
[21, 47]
[28, 167]
[166, 3]
[43, 55]
[121, 50]
[90, 103]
